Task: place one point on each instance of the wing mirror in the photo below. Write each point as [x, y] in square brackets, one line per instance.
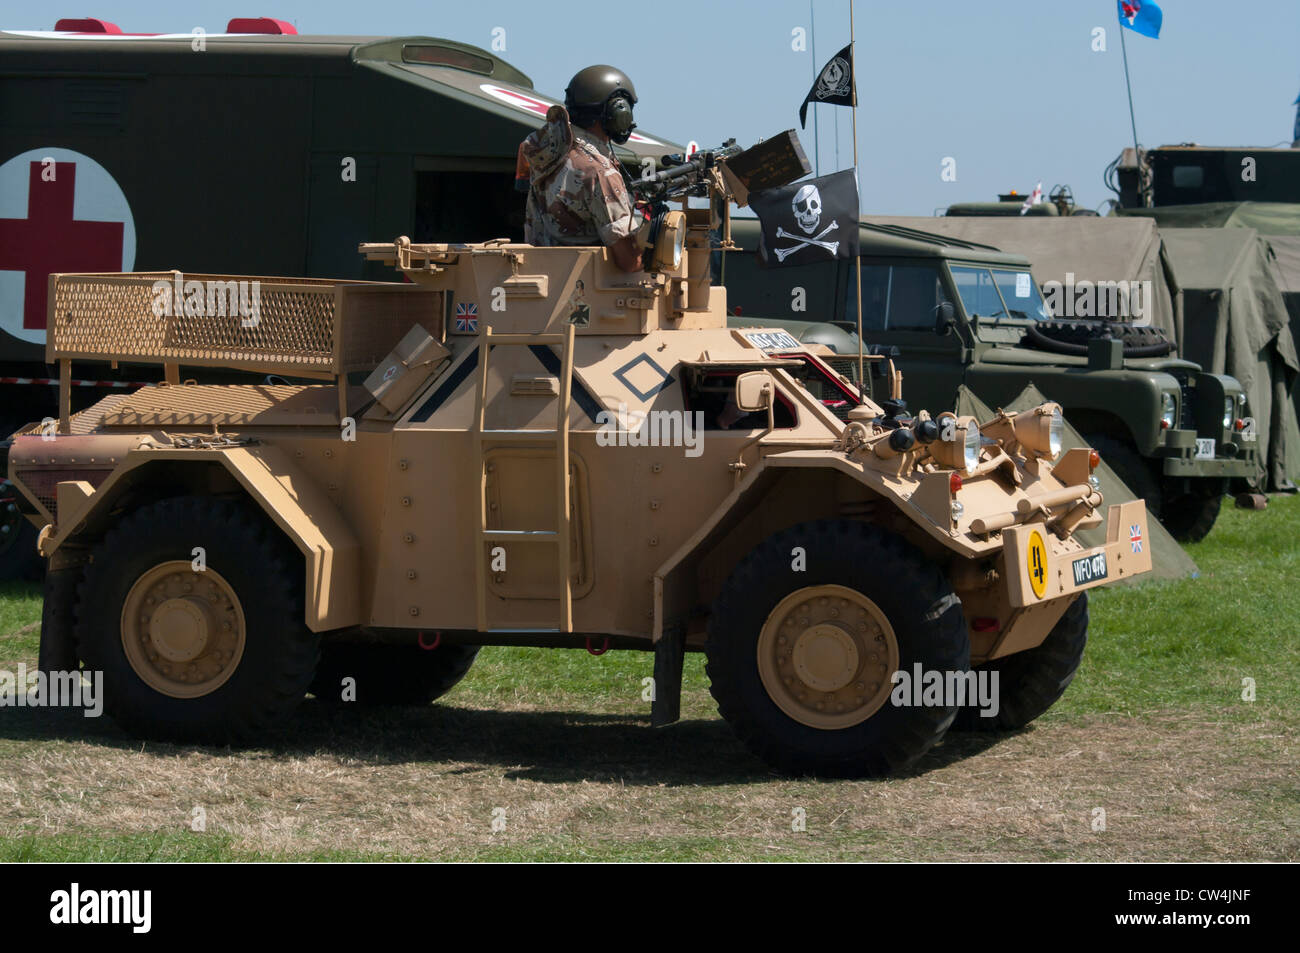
[945, 317]
[754, 391]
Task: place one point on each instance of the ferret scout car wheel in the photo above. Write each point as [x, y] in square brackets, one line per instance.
[213, 650]
[802, 662]
[1032, 681]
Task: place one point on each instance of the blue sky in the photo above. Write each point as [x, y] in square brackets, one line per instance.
[1012, 91]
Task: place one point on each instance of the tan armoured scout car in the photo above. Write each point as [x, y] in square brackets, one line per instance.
[527, 446]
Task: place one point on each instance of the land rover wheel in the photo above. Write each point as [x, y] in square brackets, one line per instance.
[806, 636]
[1190, 516]
[192, 609]
[1130, 468]
[1032, 681]
[389, 674]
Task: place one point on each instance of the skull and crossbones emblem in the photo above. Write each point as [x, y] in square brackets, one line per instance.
[807, 208]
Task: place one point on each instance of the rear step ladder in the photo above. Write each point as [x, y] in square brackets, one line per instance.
[559, 438]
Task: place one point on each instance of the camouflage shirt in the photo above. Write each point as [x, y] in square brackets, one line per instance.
[577, 195]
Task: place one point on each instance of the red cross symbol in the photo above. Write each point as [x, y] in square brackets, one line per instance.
[49, 239]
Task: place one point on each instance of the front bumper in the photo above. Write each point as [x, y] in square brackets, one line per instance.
[1041, 567]
[1180, 460]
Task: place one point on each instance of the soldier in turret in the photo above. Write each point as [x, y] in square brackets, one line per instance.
[577, 191]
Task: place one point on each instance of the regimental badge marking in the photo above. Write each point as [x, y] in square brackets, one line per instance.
[467, 317]
[1036, 560]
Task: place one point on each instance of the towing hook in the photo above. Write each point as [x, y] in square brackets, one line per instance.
[437, 640]
[600, 651]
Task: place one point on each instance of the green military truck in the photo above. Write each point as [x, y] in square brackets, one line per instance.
[1193, 191]
[952, 312]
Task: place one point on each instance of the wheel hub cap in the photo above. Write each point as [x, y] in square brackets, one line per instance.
[183, 631]
[179, 629]
[826, 655]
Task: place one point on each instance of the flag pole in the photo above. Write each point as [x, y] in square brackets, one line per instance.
[857, 259]
[817, 135]
[1129, 86]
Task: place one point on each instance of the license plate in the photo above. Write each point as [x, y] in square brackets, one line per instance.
[1204, 448]
[1089, 569]
[773, 340]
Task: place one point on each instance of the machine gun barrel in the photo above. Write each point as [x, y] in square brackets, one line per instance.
[685, 176]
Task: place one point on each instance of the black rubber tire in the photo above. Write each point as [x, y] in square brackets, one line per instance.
[913, 594]
[390, 674]
[58, 646]
[1129, 467]
[280, 652]
[19, 560]
[1189, 517]
[1032, 681]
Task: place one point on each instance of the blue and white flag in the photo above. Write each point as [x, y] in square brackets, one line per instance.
[1141, 16]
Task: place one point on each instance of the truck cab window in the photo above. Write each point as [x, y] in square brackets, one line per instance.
[896, 297]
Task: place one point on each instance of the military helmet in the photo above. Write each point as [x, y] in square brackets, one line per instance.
[602, 94]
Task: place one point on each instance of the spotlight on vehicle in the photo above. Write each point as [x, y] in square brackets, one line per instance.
[1041, 430]
[668, 238]
[958, 445]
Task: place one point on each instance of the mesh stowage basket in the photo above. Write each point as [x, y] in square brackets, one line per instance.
[216, 320]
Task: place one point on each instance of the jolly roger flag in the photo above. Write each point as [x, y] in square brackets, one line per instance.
[808, 221]
[834, 84]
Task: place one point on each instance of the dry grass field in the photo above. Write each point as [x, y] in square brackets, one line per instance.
[555, 746]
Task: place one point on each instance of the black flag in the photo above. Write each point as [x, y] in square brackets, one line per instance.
[808, 221]
[834, 85]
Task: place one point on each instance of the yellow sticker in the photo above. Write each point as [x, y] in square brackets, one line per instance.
[1036, 558]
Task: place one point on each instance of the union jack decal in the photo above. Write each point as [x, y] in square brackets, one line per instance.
[1135, 537]
[467, 317]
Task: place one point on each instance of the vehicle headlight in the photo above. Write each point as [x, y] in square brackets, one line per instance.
[959, 444]
[1168, 409]
[1229, 411]
[1056, 431]
[1041, 430]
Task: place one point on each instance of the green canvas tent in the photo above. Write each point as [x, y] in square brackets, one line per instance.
[1279, 222]
[1268, 218]
[1071, 249]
